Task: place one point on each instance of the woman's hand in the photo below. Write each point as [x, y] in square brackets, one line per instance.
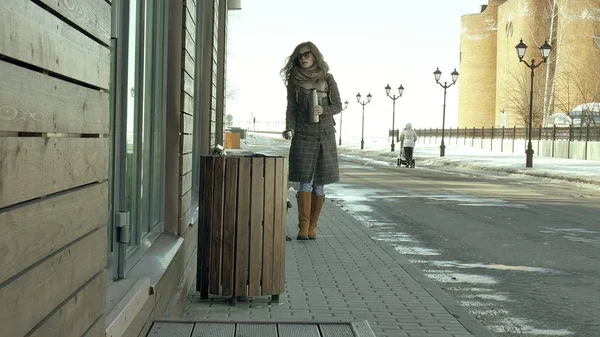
[288, 134]
[318, 110]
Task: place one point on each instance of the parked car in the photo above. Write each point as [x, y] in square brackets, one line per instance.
[560, 119]
[586, 114]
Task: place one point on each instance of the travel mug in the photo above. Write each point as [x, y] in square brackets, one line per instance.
[313, 101]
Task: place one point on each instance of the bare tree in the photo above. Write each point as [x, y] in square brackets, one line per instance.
[517, 96]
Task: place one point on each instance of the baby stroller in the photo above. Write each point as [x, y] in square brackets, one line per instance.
[402, 160]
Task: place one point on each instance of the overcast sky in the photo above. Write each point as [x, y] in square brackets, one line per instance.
[366, 44]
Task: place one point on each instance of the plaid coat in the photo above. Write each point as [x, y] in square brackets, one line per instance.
[313, 153]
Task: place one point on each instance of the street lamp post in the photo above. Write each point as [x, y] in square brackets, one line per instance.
[344, 108]
[437, 75]
[545, 50]
[394, 98]
[362, 135]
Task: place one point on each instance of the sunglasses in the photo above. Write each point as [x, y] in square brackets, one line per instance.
[304, 55]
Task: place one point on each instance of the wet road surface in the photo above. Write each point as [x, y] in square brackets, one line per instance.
[520, 253]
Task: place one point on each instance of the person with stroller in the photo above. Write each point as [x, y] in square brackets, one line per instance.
[313, 158]
[408, 139]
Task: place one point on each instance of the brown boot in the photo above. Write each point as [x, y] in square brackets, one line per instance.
[303, 214]
[315, 210]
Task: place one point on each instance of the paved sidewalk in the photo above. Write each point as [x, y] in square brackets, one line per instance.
[346, 276]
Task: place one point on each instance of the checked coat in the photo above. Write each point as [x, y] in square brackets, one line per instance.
[313, 153]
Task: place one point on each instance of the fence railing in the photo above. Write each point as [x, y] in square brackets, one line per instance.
[571, 133]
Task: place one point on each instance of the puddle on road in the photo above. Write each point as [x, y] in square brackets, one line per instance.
[415, 251]
[568, 230]
[452, 277]
[394, 237]
[523, 326]
[456, 264]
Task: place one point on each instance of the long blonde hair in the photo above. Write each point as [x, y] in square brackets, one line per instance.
[292, 61]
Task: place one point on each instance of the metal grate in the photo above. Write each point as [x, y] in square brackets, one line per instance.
[299, 330]
[171, 330]
[214, 330]
[336, 330]
[256, 330]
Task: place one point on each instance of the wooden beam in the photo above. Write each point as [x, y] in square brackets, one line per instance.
[90, 15]
[79, 313]
[31, 232]
[34, 102]
[33, 35]
[33, 167]
[32, 296]
[128, 308]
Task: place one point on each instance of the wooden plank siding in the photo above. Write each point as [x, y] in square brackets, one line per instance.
[78, 314]
[91, 16]
[33, 102]
[32, 167]
[186, 122]
[36, 230]
[28, 299]
[48, 42]
[54, 159]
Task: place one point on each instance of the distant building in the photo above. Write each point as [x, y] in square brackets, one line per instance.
[493, 80]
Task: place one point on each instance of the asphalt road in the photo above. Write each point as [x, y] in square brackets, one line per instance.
[520, 253]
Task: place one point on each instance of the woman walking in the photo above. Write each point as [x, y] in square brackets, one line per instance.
[313, 158]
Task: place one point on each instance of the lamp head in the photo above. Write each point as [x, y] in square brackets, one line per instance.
[521, 48]
[454, 75]
[546, 49]
[437, 75]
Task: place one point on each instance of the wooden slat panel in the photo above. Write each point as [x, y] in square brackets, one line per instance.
[187, 83]
[185, 202]
[90, 15]
[262, 330]
[229, 223]
[188, 64]
[32, 232]
[98, 329]
[79, 313]
[191, 7]
[185, 143]
[216, 231]
[278, 229]
[34, 102]
[50, 283]
[47, 42]
[304, 330]
[190, 45]
[243, 219]
[214, 330]
[184, 221]
[188, 104]
[267, 272]
[256, 218]
[186, 124]
[206, 191]
[283, 225]
[185, 163]
[336, 330]
[189, 23]
[160, 329]
[185, 183]
[33, 167]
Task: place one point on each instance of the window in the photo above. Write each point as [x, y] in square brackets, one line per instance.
[143, 156]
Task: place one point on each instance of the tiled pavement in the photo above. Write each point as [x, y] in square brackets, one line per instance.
[345, 275]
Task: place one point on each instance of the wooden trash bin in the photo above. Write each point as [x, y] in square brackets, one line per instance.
[241, 239]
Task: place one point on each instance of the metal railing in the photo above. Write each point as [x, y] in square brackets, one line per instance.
[571, 133]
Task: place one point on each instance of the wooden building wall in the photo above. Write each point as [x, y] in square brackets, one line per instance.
[54, 152]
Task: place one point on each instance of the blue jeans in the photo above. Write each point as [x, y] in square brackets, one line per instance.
[310, 187]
